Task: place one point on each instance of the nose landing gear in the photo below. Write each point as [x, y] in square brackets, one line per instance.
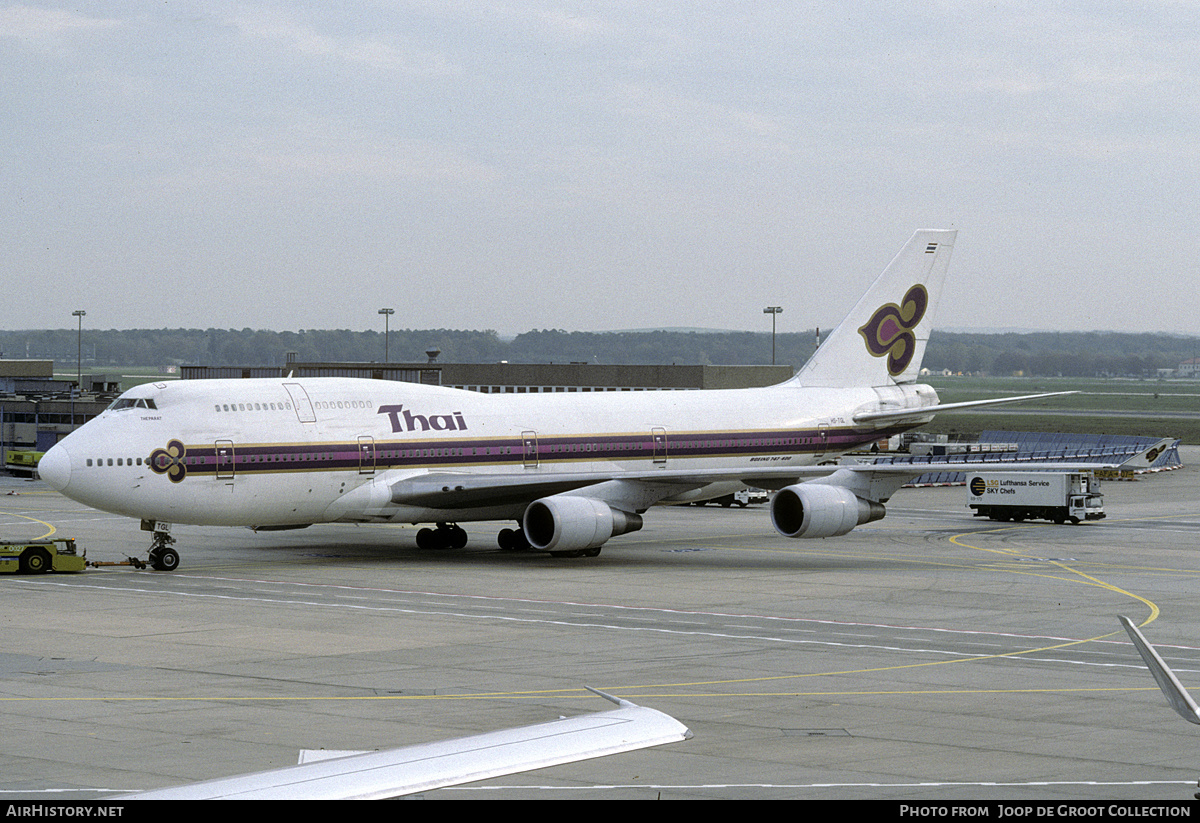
[163, 558]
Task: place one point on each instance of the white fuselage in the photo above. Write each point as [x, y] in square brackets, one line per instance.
[282, 452]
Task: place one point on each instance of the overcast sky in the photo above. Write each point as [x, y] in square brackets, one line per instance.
[595, 165]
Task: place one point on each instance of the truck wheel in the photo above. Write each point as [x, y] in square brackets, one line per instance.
[1074, 521]
[35, 561]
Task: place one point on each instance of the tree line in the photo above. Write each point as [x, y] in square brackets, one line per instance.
[1045, 354]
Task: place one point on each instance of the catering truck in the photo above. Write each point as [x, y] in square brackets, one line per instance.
[1057, 496]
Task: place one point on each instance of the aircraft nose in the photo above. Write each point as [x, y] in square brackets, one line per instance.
[55, 468]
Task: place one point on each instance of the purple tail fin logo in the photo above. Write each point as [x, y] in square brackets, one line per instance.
[889, 331]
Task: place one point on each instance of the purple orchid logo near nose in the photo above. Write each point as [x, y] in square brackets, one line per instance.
[889, 331]
[169, 461]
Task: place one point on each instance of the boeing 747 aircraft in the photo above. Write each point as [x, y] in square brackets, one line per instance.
[572, 470]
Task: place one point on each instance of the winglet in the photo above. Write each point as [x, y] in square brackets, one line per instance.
[1177, 695]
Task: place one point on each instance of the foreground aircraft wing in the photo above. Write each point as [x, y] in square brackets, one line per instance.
[398, 772]
[1176, 694]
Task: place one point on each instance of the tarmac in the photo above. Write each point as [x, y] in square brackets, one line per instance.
[928, 656]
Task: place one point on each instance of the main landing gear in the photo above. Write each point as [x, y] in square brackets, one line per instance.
[452, 536]
[445, 536]
[163, 558]
[514, 540]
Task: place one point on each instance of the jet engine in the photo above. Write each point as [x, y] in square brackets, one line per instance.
[820, 510]
[565, 523]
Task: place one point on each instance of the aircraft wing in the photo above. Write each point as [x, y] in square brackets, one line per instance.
[1176, 694]
[412, 769]
[446, 490]
[452, 490]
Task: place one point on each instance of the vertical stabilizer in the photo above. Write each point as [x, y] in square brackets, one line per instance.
[882, 339]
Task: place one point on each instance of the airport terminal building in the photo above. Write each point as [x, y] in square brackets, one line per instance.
[522, 378]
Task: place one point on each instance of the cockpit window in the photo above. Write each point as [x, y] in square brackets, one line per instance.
[132, 403]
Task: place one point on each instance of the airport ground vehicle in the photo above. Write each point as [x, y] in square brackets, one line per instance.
[37, 556]
[742, 497]
[22, 461]
[1057, 496]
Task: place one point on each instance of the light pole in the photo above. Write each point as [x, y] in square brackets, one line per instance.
[387, 313]
[80, 313]
[773, 310]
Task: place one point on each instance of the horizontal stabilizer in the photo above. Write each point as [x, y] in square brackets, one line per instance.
[899, 414]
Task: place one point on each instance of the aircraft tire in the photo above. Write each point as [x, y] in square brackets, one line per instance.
[164, 560]
[593, 552]
[512, 540]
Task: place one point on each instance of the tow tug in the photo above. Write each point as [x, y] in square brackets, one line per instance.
[38, 556]
[61, 555]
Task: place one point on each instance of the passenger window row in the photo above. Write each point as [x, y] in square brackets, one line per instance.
[287, 406]
[241, 407]
[344, 404]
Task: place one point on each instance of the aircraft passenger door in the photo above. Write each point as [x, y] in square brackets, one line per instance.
[529, 448]
[366, 454]
[822, 439]
[658, 439]
[301, 403]
[225, 459]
